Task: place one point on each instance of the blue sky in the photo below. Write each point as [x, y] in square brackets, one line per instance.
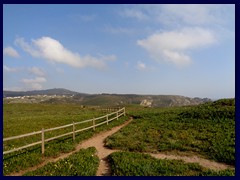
[159, 49]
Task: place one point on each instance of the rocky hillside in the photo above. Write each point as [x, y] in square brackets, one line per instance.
[67, 96]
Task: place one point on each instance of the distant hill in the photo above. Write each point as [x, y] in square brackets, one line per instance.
[144, 100]
[67, 96]
[55, 91]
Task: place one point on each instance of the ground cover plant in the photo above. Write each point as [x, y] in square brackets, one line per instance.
[26, 118]
[207, 130]
[139, 164]
[83, 163]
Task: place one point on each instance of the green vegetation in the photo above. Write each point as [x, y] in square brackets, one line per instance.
[83, 163]
[26, 118]
[138, 164]
[207, 130]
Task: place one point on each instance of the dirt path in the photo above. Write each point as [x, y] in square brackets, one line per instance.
[96, 141]
[103, 170]
[102, 152]
[194, 159]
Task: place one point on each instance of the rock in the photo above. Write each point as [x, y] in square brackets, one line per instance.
[146, 103]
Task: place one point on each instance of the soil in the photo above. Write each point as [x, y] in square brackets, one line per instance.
[102, 152]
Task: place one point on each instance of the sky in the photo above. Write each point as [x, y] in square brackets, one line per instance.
[158, 49]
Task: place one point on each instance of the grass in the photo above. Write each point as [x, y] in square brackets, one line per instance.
[83, 163]
[18, 117]
[26, 118]
[138, 164]
[207, 130]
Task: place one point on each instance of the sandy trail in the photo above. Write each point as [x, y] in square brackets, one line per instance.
[102, 152]
[194, 159]
[97, 141]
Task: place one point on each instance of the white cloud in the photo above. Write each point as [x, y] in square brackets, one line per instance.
[8, 69]
[171, 46]
[9, 51]
[34, 84]
[180, 14]
[36, 71]
[177, 58]
[53, 51]
[193, 26]
[26, 47]
[141, 66]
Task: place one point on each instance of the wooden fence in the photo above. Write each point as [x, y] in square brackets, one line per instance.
[118, 113]
[110, 109]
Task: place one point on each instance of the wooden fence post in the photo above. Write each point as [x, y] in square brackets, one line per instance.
[73, 131]
[94, 124]
[43, 148]
[68, 125]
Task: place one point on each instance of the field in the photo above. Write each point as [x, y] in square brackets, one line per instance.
[26, 118]
[207, 131]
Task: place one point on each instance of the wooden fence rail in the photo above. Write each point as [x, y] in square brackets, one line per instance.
[118, 113]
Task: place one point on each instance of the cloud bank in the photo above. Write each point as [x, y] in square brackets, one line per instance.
[53, 51]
